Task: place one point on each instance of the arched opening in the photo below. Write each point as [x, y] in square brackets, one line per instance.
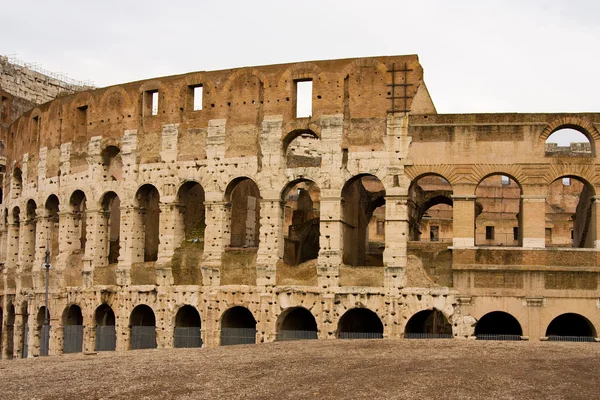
[106, 334]
[43, 330]
[30, 234]
[238, 326]
[361, 196]
[111, 210]
[571, 327]
[14, 236]
[568, 141]
[430, 209]
[72, 330]
[143, 328]
[302, 148]
[498, 325]
[190, 225]
[187, 328]
[147, 222]
[53, 227]
[301, 217]
[17, 183]
[360, 323]
[497, 212]
[10, 331]
[569, 213]
[79, 221]
[428, 324]
[24, 329]
[112, 163]
[243, 199]
[297, 323]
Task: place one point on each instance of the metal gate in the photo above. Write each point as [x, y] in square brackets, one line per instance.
[427, 336]
[73, 338]
[556, 338]
[360, 335]
[230, 336]
[143, 337]
[106, 338]
[25, 341]
[489, 336]
[296, 335]
[187, 337]
[44, 340]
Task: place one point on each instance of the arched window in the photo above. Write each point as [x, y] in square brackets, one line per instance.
[78, 208]
[497, 211]
[243, 197]
[53, 227]
[112, 163]
[302, 148]
[568, 142]
[301, 217]
[109, 247]
[147, 223]
[430, 209]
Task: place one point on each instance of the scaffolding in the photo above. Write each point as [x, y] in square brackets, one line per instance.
[59, 76]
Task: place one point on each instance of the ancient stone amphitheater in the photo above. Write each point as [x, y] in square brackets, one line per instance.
[316, 200]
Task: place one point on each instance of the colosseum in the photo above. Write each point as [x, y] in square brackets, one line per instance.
[315, 200]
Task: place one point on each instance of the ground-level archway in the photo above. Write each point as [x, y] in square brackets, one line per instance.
[106, 334]
[498, 325]
[296, 323]
[72, 330]
[143, 328]
[42, 331]
[360, 323]
[428, 324]
[238, 326]
[10, 332]
[571, 327]
[187, 328]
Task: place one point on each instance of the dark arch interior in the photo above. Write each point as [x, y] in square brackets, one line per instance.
[244, 197]
[571, 324]
[143, 315]
[188, 317]
[191, 198]
[299, 319]
[301, 216]
[360, 320]
[238, 317]
[498, 323]
[73, 316]
[148, 200]
[41, 316]
[104, 315]
[111, 205]
[429, 322]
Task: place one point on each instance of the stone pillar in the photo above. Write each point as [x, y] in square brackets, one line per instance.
[68, 237]
[463, 220]
[215, 237]
[396, 236]
[18, 334]
[331, 241]
[270, 247]
[171, 231]
[593, 236]
[96, 244]
[129, 242]
[532, 221]
[42, 238]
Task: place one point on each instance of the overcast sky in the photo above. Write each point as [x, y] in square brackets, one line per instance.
[478, 56]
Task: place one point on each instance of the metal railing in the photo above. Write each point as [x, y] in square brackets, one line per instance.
[360, 335]
[233, 336]
[143, 337]
[72, 338]
[296, 335]
[489, 336]
[557, 338]
[428, 336]
[106, 338]
[187, 337]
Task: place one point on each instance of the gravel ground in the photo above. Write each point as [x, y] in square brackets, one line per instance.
[324, 369]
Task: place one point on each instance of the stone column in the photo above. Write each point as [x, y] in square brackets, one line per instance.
[129, 242]
[18, 334]
[171, 231]
[396, 236]
[532, 221]
[463, 220]
[42, 238]
[96, 244]
[216, 236]
[270, 247]
[331, 241]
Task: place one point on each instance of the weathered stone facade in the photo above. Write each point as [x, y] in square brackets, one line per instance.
[163, 214]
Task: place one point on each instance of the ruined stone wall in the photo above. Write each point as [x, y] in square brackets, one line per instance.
[118, 142]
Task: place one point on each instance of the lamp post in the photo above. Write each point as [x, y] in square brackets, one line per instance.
[46, 328]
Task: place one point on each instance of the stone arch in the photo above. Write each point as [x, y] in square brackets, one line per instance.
[241, 72]
[143, 328]
[571, 327]
[78, 206]
[572, 122]
[16, 182]
[363, 62]
[243, 212]
[498, 325]
[238, 326]
[72, 321]
[113, 90]
[42, 330]
[52, 209]
[428, 324]
[146, 223]
[305, 70]
[108, 249]
[361, 196]
[360, 323]
[430, 190]
[188, 326]
[586, 173]
[301, 221]
[104, 328]
[302, 148]
[296, 323]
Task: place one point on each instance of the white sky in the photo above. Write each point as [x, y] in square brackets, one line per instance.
[478, 56]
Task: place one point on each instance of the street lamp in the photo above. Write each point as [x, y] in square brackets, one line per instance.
[46, 328]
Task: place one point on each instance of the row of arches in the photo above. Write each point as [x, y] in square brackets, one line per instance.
[238, 326]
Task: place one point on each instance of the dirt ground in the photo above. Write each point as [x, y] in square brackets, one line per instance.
[324, 369]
